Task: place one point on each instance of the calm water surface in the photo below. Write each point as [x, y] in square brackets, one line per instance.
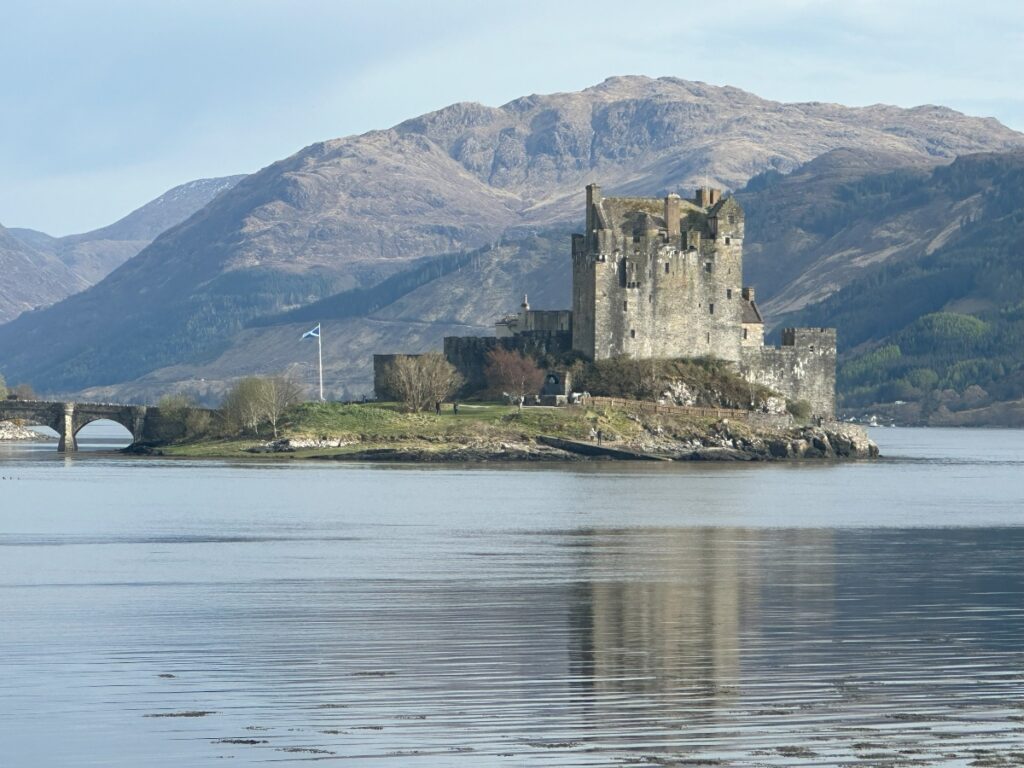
[178, 613]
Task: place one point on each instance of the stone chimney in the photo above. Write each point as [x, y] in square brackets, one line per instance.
[702, 197]
[593, 198]
[714, 195]
[748, 293]
[672, 203]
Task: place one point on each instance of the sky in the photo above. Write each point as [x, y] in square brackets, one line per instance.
[108, 103]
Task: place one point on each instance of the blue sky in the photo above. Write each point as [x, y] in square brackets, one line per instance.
[109, 103]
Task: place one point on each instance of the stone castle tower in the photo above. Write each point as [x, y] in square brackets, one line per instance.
[662, 278]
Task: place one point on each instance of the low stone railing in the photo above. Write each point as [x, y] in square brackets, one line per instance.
[649, 406]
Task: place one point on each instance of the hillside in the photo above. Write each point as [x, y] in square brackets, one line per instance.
[941, 323]
[30, 277]
[93, 255]
[346, 214]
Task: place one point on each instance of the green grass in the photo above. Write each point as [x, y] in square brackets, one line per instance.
[377, 425]
[386, 425]
[388, 420]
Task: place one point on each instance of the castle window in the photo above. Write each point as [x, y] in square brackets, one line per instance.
[709, 338]
[728, 240]
[812, 347]
[707, 266]
[625, 306]
[711, 309]
[632, 333]
[666, 267]
[744, 334]
[728, 293]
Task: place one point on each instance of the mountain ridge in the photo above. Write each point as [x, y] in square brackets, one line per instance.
[348, 213]
[88, 257]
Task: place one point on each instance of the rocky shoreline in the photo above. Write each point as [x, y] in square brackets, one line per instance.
[724, 441]
[11, 432]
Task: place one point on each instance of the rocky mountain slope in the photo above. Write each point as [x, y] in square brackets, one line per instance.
[346, 214]
[93, 255]
[31, 278]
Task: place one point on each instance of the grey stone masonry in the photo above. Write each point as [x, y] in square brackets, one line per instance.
[659, 278]
[803, 368]
[67, 419]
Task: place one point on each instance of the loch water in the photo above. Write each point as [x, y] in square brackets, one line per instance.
[182, 613]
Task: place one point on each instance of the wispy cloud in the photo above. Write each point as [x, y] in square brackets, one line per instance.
[97, 94]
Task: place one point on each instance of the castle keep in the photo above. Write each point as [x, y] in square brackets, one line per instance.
[663, 278]
[653, 278]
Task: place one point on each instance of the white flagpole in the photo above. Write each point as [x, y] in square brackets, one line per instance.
[320, 355]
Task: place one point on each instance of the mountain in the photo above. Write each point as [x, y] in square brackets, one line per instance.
[453, 295]
[347, 214]
[940, 320]
[94, 255]
[31, 278]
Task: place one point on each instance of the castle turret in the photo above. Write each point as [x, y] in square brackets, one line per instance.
[593, 198]
[672, 215]
[707, 196]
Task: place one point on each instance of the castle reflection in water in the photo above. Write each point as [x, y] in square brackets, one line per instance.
[676, 628]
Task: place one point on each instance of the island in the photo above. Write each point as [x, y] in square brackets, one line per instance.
[598, 430]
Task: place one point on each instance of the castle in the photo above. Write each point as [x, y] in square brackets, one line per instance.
[663, 278]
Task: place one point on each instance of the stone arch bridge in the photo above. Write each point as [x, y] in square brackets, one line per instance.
[66, 419]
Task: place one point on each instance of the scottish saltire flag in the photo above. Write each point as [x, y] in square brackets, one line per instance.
[313, 332]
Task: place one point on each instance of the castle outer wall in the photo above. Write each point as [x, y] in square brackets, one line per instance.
[469, 353]
[803, 368]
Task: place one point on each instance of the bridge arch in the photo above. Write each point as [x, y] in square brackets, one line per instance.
[108, 431]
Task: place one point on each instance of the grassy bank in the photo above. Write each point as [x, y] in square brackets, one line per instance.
[370, 426]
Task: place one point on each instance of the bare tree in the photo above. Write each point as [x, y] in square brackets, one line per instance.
[242, 408]
[279, 394]
[513, 373]
[419, 381]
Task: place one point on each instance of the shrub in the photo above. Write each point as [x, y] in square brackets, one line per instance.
[420, 381]
[512, 373]
[799, 409]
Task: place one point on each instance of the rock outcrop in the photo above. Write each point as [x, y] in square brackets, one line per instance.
[9, 431]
